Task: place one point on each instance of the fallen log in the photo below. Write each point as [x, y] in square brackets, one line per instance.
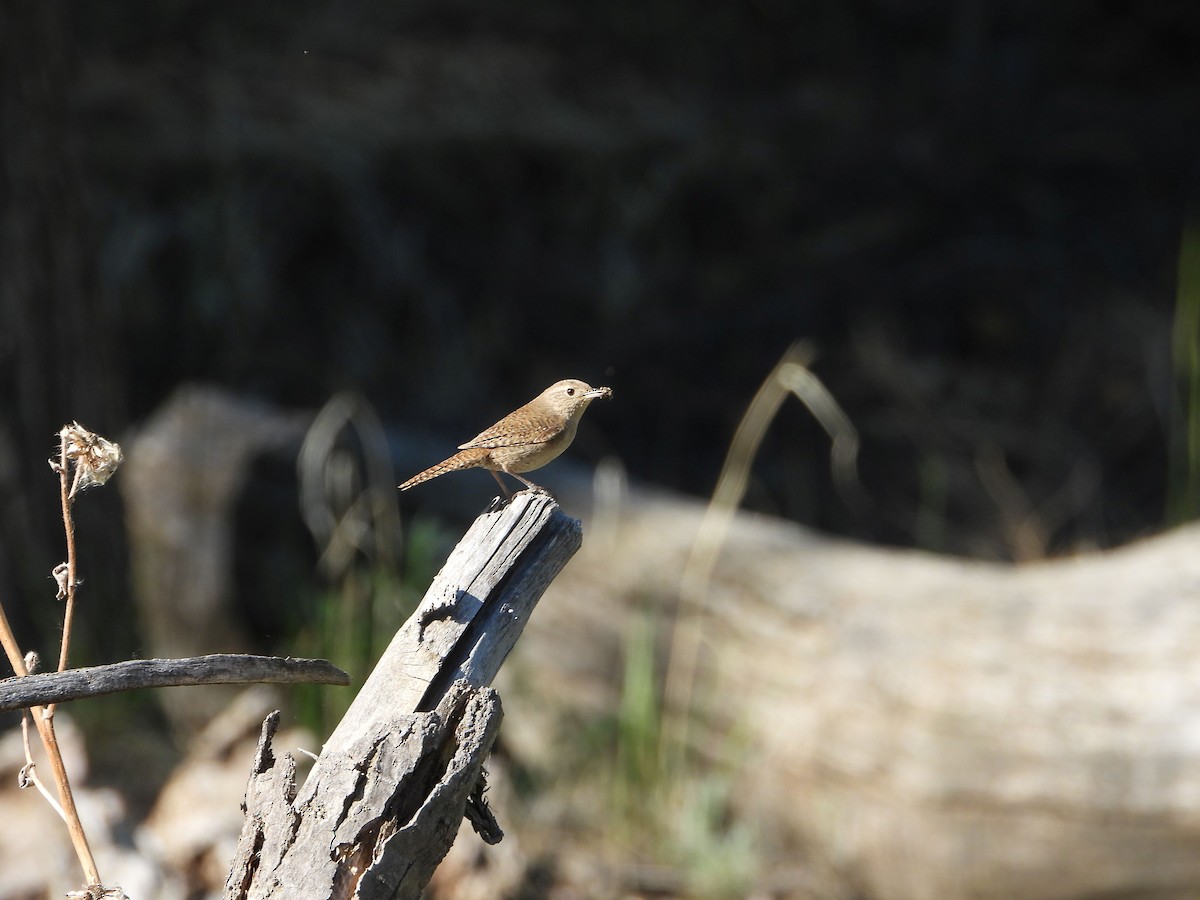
[932, 727]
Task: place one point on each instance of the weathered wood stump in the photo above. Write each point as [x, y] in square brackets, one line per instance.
[382, 804]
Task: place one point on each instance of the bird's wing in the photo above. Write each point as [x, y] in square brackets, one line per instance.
[516, 431]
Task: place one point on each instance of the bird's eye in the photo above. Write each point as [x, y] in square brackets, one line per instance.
[570, 392]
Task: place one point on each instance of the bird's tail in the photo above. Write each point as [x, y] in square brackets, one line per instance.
[463, 459]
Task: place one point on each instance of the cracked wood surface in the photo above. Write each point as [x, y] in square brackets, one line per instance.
[382, 804]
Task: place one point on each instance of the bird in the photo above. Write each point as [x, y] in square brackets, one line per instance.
[525, 439]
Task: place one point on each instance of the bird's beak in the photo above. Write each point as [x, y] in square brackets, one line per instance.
[594, 393]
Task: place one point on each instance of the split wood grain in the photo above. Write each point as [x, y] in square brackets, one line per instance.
[384, 800]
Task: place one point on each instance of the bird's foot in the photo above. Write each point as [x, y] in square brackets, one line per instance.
[538, 489]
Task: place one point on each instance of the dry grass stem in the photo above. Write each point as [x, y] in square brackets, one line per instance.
[790, 376]
[85, 459]
[44, 722]
[66, 584]
[28, 774]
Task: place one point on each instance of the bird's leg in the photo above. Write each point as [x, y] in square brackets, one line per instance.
[499, 501]
[536, 488]
[500, 481]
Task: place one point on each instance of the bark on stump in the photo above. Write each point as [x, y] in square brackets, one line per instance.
[382, 804]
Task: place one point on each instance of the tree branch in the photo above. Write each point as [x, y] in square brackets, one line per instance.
[219, 668]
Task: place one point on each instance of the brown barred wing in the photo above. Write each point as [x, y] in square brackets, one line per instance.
[515, 430]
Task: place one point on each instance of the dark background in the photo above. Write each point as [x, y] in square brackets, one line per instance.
[974, 210]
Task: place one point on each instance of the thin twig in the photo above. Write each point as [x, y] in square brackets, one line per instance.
[217, 668]
[65, 491]
[13, 651]
[29, 770]
[45, 727]
[43, 717]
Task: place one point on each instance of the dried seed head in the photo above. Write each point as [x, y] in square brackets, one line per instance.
[95, 458]
[33, 662]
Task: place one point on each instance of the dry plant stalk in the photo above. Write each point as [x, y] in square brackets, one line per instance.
[791, 375]
[85, 459]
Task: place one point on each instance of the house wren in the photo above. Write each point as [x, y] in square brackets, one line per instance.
[525, 439]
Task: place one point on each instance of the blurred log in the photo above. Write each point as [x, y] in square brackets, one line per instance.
[184, 472]
[382, 804]
[933, 727]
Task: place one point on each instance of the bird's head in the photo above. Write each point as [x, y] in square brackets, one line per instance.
[569, 398]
